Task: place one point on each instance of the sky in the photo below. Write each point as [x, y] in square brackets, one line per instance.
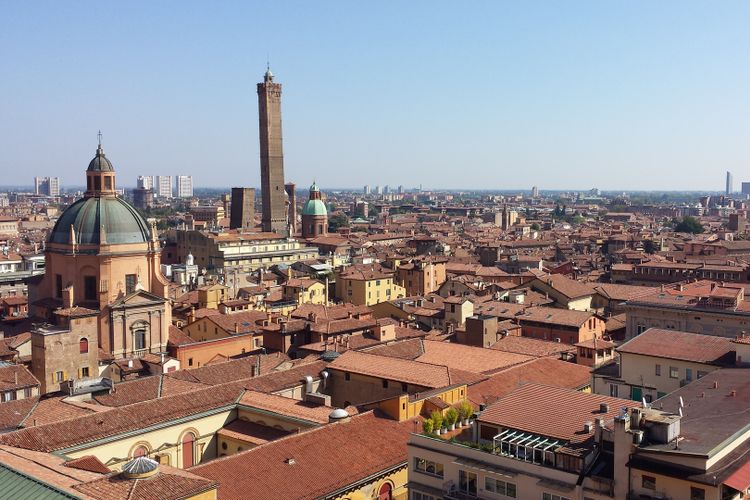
[635, 95]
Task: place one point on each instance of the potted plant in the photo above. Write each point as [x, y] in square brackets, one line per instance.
[437, 421]
[451, 416]
[428, 425]
[465, 410]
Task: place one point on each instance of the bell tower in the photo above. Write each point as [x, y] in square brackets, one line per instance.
[271, 156]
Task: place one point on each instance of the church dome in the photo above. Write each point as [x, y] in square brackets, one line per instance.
[121, 222]
[314, 207]
[100, 163]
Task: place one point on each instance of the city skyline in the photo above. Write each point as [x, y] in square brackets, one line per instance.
[549, 100]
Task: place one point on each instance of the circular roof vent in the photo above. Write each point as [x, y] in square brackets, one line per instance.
[338, 415]
[329, 355]
[140, 467]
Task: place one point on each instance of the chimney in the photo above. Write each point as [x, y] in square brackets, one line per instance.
[716, 384]
[236, 327]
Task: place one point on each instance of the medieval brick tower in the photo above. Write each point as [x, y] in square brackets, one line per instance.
[271, 156]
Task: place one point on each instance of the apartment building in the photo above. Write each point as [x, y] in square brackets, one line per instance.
[658, 362]
[702, 306]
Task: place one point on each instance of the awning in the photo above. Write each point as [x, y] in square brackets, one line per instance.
[740, 479]
[485, 467]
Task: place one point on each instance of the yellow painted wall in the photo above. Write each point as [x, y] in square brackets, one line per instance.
[166, 440]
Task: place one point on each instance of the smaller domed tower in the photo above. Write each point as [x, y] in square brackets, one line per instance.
[314, 215]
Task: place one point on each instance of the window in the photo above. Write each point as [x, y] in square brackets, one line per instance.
[648, 482]
[697, 493]
[59, 377]
[83, 346]
[27, 392]
[640, 329]
[139, 342]
[8, 396]
[89, 287]
[500, 487]
[674, 372]
[416, 495]
[467, 482]
[130, 281]
[428, 467]
[553, 496]
[702, 374]
[58, 286]
[385, 384]
[404, 387]
[689, 374]
[85, 371]
[613, 390]
[658, 370]
[190, 361]
[347, 376]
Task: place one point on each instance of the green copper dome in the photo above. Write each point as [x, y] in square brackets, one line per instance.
[314, 207]
[100, 163]
[121, 222]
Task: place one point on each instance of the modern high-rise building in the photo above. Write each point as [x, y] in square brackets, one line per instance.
[746, 188]
[242, 214]
[271, 156]
[184, 185]
[535, 192]
[378, 190]
[47, 186]
[366, 189]
[145, 182]
[730, 188]
[163, 186]
[401, 190]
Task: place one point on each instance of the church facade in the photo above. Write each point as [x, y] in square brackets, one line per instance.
[103, 291]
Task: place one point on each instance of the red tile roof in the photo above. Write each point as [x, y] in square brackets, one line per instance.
[468, 358]
[547, 371]
[401, 370]
[685, 346]
[552, 411]
[167, 484]
[16, 377]
[531, 347]
[313, 463]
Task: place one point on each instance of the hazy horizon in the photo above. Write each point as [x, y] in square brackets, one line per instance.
[622, 97]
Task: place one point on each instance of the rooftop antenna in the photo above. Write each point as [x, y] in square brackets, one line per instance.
[644, 403]
[682, 404]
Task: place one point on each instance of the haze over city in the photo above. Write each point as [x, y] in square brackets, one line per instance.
[493, 95]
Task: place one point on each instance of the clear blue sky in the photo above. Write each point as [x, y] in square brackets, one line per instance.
[494, 95]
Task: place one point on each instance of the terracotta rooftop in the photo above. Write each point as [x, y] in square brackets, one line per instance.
[15, 377]
[286, 406]
[468, 358]
[412, 372]
[570, 288]
[367, 444]
[546, 371]
[251, 432]
[552, 411]
[685, 346]
[167, 484]
[531, 347]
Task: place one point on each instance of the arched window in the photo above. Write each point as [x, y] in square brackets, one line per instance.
[141, 451]
[188, 449]
[385, 492]
[83, 346]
